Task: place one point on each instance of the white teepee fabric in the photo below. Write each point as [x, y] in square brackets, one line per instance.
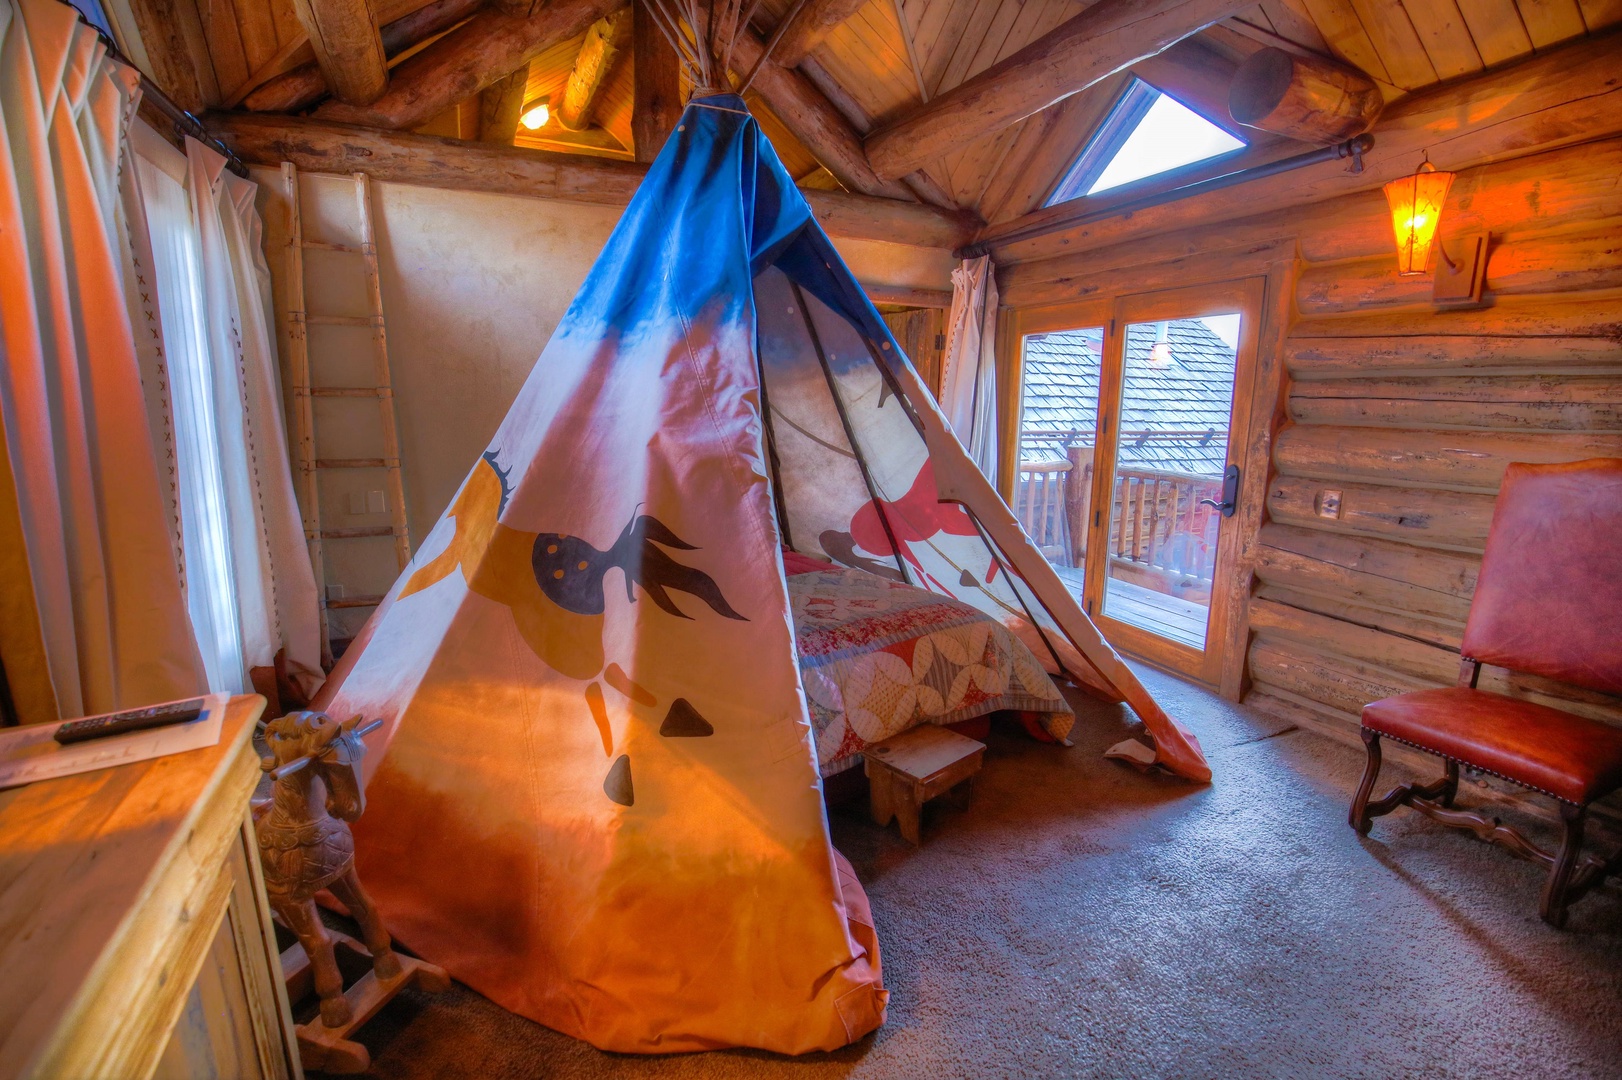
[969, 365]
[106, 591]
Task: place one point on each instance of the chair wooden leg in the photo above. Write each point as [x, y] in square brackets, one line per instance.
[1450, 784]
[1359, 818]
[1553, 908]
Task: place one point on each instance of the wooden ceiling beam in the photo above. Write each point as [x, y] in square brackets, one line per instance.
[920, 183]
[604, 42]
[816, 21]
[500, 106]
[305, 85]
[317, 146]
[813, 120]
[174, 55]
[170, 52]
[656, 107]
[1196, 75]
[1303, 97]
[348, 47]
[1108, 36]
[908, 296]
[488, 47]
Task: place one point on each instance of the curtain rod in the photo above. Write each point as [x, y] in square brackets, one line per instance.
[185, 123]
[1353, 148]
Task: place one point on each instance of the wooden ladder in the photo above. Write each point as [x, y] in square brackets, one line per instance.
[305, 391]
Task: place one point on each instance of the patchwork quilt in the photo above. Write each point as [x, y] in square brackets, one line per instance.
[879, 657]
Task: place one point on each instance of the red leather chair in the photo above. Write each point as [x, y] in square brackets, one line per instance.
[1548, 602]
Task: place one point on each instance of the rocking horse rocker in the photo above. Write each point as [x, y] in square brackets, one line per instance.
[305, 846]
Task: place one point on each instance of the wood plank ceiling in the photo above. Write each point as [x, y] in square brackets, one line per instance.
[893, 55]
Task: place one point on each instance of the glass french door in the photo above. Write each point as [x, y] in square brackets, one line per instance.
[1126, 472]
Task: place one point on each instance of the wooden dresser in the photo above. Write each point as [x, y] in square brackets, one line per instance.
[135, 939]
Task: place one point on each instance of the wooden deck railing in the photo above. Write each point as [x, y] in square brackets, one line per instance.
[1160, 525]
[1042, 489]
[1158, 529]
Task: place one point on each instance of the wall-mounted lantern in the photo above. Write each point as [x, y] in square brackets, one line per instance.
[1416, 203]
[1416, 210]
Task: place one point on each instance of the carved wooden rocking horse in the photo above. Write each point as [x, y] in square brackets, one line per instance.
[305, 846]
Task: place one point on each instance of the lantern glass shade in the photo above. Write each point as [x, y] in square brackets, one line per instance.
[1416, 210]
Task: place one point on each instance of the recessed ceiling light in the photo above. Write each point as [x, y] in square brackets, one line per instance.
[535, 115]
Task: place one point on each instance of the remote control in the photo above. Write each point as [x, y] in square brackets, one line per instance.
[122, 723]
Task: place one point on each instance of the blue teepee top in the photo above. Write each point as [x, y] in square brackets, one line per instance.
[716, 193]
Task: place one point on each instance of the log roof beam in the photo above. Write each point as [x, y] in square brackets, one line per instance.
[1315, 100]
[500, 106]
[813, 119]
[317, 146]
[656, 82]
[348, 47]
[1107, 37]
[176, 56]
[604, 42]
[303, 86]
[491, 45]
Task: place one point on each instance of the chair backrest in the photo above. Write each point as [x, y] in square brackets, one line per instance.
[1549, 598]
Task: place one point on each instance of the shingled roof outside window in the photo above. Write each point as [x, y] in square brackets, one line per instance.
[1176, 414]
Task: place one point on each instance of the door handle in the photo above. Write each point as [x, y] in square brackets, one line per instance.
[1230, 493]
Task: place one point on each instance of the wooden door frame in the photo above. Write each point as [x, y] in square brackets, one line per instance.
[1220, 664]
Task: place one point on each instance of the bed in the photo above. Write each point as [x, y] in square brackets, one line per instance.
[879, 657]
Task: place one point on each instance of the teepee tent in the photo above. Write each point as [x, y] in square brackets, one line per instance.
[595, 797]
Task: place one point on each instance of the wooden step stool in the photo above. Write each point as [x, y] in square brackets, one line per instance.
[908, 770]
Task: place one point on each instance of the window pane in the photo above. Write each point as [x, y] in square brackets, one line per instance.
[1176, 399]
[1169, 136]
[1057, 439]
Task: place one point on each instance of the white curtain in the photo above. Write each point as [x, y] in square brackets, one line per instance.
[205, 528]
[275, 586]
[250, 588]
[107, 609]
[969, 366]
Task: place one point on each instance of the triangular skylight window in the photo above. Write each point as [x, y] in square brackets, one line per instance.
[1147, 133]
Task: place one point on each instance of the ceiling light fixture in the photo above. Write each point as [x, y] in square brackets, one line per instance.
[536, 114]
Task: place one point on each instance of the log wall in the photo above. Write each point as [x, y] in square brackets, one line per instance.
[1409, 413]
[1412, 414]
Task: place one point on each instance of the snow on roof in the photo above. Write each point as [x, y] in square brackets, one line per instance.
[1174, 417]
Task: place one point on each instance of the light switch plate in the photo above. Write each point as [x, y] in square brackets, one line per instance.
[375, 503]
[1329, 504]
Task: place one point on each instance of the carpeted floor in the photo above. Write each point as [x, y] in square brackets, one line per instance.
[1081, 919]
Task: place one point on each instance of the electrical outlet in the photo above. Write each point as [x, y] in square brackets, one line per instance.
[1329, 504]
[375, 503]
